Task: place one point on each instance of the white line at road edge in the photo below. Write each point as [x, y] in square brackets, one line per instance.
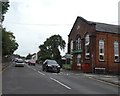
[7, 67]
[60, 83]
[35, 70]
[41, 73]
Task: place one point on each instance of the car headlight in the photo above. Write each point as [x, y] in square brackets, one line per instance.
[58, 66]
[49, 65]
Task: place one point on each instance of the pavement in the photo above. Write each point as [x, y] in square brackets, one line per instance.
[113, 79]
[4, 65]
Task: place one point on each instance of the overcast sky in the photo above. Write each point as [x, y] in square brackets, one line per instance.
[32, 21]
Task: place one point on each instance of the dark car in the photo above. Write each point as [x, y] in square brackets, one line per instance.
[51, 65]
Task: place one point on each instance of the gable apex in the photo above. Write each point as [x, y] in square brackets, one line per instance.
[84, 20]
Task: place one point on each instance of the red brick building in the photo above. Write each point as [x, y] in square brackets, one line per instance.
[94, 46]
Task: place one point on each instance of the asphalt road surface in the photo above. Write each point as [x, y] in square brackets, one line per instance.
[32, 80]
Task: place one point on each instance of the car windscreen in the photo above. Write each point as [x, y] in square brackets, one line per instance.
[19, 61]
[52, 62]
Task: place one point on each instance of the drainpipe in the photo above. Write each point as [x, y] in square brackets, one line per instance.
[92, 63]
[93, 50]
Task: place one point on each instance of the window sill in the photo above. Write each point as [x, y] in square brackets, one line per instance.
[87, 59]
[101, 60]
[116, 61]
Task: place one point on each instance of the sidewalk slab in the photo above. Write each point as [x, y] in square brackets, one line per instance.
[107, 78]
[113, 79]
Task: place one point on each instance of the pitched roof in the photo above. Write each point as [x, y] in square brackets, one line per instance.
[101, 27]
[110, 28]
[107, 28]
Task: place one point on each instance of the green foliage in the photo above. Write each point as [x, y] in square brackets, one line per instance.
[67, 66]
[29, 56]
[9, 44]
[3, 8]
[50, 48]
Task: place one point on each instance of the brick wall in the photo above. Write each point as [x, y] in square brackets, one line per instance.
[109, 63]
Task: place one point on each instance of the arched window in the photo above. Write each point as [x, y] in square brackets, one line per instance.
[101, 50]
[71, 46]
[78, 43]
[116, 51]
[87, 46]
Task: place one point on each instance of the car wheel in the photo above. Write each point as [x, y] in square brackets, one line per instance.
[46, 69]
[43, 69]
[58, 71]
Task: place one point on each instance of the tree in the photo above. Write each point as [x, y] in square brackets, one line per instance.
[29, 56]
[50, 48]
[44, 53]
[9, 44]
[4, 5]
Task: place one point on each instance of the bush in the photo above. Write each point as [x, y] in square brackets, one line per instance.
[67, 66]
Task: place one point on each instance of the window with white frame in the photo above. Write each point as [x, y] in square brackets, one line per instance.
[71, 46]
[78, 43]
[78, 59]
[101, 50]
[116, 51]
[87, 46]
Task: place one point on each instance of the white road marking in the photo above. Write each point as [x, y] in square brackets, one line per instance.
[104, 82]
[33, 69]
[27, 66]
[60, 83]
[39, 66]
[41, 73]
[55, 73]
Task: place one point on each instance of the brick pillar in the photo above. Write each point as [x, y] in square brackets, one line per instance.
[92, 52]
[74, 65]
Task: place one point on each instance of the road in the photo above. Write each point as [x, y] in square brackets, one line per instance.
[32, 80]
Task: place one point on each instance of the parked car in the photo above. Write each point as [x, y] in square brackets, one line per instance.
[26, 61]
[31, 62]
[19, 63]
[51, 65]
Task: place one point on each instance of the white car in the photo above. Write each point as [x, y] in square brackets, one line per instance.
[19, 63]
